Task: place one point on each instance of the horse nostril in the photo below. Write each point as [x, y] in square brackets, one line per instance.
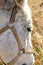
[24, 64]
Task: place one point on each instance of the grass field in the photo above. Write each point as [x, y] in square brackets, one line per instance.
[37, 35]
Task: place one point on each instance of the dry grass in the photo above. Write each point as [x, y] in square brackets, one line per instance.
[37, 35]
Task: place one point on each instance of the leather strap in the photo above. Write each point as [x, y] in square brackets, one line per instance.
[2, 61]
[17, 39]
[4, 29]
[13, 14]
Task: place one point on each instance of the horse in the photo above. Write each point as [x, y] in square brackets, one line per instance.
[23, 25]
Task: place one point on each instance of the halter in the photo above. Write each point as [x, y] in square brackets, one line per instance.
[21, 49]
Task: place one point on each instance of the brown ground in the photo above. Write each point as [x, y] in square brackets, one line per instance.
[37, 35]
